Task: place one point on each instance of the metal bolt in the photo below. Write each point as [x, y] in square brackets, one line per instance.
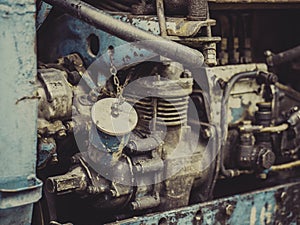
[206, 133]
[267, 159]
[222, 83]
[187, 74]
[272, 78]
[198, 217]
[54, 159]
[283, 196]
[115, 110]
[229, 210]
[62, 133]
[70, 125]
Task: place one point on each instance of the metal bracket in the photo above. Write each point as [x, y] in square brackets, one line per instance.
[20, 192]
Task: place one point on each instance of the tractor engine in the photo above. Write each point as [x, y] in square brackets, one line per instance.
[141, 109]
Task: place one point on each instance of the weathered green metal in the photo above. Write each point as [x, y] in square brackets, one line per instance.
[19, 187]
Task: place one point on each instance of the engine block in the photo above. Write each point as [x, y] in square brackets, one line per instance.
[160, 112]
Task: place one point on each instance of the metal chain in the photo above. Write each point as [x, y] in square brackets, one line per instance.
[113, 71]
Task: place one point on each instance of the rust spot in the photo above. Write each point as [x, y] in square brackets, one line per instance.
[127, 57]
[27, 97]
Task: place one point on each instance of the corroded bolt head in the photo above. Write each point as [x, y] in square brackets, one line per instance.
[267, 159]
[229, 210]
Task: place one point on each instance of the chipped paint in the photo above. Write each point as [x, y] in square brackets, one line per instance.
[256, 208]
[18, 124]
[253, 215]
[70, 40]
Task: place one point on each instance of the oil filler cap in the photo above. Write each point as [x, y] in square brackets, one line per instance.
[113, 117]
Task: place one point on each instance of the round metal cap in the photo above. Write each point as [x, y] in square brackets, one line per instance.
[111, 120]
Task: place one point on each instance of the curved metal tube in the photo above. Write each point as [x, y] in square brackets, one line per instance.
[283, 57]
[125, 31]
[224, 122]
[275, 129]
[285, 166]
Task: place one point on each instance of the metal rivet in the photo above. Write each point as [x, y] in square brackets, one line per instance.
[198, 217]
[229, 209]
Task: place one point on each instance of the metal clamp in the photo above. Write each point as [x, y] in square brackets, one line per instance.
[20, 192]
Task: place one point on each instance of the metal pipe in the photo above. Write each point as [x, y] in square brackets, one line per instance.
[161, 17]
[266, 78]
[145, 144]
[285, 166]
[282, 57]
[107, 23]
[262, 129]
[72, 181]
[145, 202]
[224, 123]
[290, 92]
[275, 129]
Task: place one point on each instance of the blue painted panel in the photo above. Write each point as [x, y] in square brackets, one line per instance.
[75, 38]
[256, 208]
[18, 127]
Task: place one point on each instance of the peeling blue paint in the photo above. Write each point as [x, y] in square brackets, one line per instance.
[255, 208]
[18, 118]
[70, 40]
[236, 114]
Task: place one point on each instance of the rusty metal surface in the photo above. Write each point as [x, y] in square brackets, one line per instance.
[276, 205]
[130, 33]
[146, 163]
[55, 96]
